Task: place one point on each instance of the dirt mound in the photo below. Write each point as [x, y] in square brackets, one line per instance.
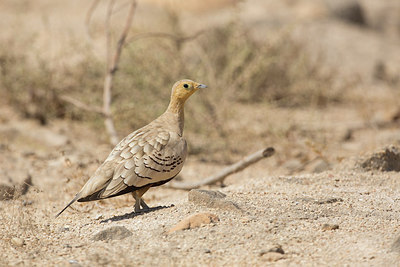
[387, 159]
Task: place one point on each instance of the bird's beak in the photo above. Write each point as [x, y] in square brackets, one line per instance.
[201, 86]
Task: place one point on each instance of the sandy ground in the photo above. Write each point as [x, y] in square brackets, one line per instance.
[298, 212]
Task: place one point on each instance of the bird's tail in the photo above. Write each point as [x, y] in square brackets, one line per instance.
[69, 204]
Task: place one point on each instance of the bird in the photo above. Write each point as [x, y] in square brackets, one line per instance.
[148, 157]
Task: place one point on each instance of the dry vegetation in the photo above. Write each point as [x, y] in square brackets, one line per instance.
[226, 58]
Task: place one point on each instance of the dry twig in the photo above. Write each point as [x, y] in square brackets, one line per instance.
[112, 66]
[234, 168]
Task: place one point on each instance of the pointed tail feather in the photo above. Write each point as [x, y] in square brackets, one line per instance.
[69, 204]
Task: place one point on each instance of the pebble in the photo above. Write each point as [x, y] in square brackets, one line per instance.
[18, 242]
[211, 199]
[329, 227]
[272, 256]
[74, 262]
[276, 249]
[195, 221]
[387, 159]
[63, 229]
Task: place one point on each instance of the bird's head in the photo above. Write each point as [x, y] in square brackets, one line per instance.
[182, 89]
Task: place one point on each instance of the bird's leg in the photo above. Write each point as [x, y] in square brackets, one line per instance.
[137, 195]
[137, 201]
[143, 204]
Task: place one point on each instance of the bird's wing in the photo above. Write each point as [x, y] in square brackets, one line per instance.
[145, 157]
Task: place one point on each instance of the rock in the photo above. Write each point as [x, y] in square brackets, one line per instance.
[74, 262]
[329, 227]
[195, 221]
[272, 256]
[18, 242]
[112, 233]
[388, 159]
[211, 199]
[347, 10]
[275, 249]
[204, 196]
[63, 229]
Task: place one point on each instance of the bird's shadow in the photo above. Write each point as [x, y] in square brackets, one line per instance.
[133, 214]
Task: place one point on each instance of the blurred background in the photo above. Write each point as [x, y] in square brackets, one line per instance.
[317, 79]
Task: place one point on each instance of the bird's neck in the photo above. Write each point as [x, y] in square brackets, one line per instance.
[175, 111]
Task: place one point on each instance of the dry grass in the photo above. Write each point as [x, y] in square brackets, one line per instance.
[236, 68]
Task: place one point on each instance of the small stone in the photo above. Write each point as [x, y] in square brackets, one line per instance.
[211, 199]
[329, 227]
[112, 233]
[272, 256]
[63, 229]
[27, 202]
[197, 195]
[207, 251]
[74, 262]
[18, 242]
[195, 221]
[98, 217]
[277, 248]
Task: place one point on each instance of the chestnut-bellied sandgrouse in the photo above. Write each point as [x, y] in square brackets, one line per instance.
[150, 156]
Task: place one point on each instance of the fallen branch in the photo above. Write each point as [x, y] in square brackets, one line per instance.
[224, 173]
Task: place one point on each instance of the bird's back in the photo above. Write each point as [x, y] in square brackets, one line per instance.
[150, 156]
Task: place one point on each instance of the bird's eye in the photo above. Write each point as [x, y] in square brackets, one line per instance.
[186, 85]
